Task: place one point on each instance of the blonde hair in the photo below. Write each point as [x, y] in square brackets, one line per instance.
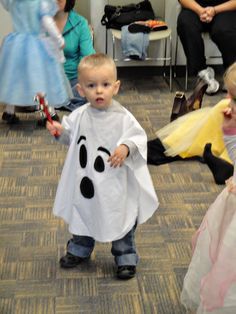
[96, 60]
[230, 79]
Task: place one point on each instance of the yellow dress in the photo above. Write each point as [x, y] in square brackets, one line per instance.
[188, 135]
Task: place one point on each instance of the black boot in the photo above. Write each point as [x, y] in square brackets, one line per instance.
[156, 153]
[220, 168]
[10, 118]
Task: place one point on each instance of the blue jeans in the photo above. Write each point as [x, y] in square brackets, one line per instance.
[123, 250]
[77, 100]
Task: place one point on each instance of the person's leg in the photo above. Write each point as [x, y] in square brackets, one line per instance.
[223, 33]
[79, 248]
[156, 153]
[77, 100]
[126, 257]
[189, 29]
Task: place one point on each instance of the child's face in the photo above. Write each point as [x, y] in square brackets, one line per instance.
[232, 97]
[98, 85]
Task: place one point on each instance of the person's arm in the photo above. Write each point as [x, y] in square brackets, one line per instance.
[86, 43]
[192, 5]
[50, 26]
[227, 6]
[211, 12]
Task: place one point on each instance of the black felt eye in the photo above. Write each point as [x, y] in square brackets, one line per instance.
[99, 165]
[83, 156]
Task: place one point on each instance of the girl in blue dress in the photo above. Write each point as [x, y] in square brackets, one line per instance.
[31, 57]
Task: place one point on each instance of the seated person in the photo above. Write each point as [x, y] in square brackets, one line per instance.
[216, 17]
[78, 44]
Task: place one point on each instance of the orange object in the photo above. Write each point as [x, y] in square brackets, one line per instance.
[154, 23]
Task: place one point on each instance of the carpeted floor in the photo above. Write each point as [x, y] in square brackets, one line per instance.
[32, 239]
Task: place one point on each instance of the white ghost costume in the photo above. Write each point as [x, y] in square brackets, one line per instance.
[95, 199]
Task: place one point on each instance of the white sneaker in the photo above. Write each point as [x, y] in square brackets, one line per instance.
[208, 75]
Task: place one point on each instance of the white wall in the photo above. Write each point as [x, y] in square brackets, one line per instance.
[97, 10]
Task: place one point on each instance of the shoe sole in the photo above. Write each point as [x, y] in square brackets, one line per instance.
[125, 276]
[67, 266]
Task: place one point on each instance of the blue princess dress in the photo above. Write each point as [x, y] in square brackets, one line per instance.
[29, 62]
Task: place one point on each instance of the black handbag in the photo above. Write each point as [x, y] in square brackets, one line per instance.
[118, 16]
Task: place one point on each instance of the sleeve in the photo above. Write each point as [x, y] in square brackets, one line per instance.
[86, 42]
[48, 7]
[47, 10]
[65, 137]
[136, 139]
[230, 143]
[132, 147]
[50, 26]
[70, 124]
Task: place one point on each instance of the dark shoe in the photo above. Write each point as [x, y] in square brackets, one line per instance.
[71, 261]
[42, 122]
[10, 118]
[64, 108]
[220, 168]
[126, 272]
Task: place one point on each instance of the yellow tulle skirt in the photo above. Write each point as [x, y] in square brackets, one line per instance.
[188, 135]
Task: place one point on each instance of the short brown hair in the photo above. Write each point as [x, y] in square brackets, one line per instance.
[96, 59]
[69, 5]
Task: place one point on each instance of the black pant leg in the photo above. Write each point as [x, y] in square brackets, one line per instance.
[223, 33]
[156, 153]
[189, 29]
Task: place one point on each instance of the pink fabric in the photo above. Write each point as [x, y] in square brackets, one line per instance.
[220, 223]
[216, 283]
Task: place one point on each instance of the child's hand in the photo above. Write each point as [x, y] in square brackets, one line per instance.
[227, 113]
[54, 128]
[229, 117]
[119, 155]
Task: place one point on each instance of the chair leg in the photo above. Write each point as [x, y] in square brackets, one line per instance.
[113, 48]
[170, 61]
[106, 43]
[176, 54]
[170, 52]
[186, 77]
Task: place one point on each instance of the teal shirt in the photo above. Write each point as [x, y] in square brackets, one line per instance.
[78, 43]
